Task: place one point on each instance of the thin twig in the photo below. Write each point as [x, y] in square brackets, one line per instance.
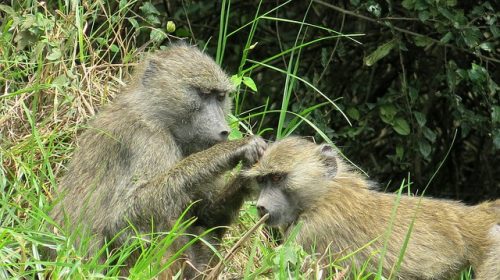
[402, 30]
[188, 21]
[217, 269]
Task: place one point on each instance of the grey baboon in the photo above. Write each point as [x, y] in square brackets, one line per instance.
[308, 184]
[160, 146]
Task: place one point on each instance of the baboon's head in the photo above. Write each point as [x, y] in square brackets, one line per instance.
[291, 176]
[186, 92]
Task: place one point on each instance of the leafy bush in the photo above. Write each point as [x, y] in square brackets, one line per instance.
[425, 71]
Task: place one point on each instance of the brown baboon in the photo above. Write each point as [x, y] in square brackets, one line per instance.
[159, 147]
[308, 184]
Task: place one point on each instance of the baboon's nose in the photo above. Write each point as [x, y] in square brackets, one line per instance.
[262, 210]
[224, 134]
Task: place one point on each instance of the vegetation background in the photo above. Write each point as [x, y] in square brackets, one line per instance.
[389, 82]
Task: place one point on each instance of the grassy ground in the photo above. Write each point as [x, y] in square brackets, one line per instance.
[59, 64]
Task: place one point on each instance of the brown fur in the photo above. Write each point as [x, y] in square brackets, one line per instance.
[155, 150]
[342, 214]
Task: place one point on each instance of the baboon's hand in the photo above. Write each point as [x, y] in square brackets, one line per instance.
[252, 150]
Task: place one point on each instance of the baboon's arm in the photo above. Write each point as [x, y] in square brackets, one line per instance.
[225, 206]
[176, 184]
[205, 165]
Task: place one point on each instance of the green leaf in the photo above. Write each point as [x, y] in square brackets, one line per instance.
[451, 3]
[8, 10]
[447, 37]
[421, 119]
[123, 4]
[134, 23]
[353, 113]
[250, 83]
[401, 126]
[149, 9]
[55, 54]
[471, 36]
[60, 81]
[496, 138]
[153, 20]
[387, 113]
[495, 31]
[101, 41]
[495, 114]
[182, 32]
[374, 9]
[424, 15]
[487, 46]
[114, 48]
[355, 2]
[408, 4]
[235, 125]
[462, 73]
[424, 147]
[429, 134]
[422, 41]
[413, 92]
[157, 35]
[477, 73]
[446, 13]
[421, 5]
[235, 134]
[380, 52]
[236, 80]
[324, 57]
[400, 152]
[24, 39]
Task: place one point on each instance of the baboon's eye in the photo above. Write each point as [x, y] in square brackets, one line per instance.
[260, 179]
[220, 97]
[276, 177]
[202, 92]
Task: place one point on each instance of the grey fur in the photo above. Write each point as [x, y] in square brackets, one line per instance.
[159, 147]
[339, 216]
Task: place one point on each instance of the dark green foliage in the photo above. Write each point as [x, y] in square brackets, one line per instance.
[424, 70]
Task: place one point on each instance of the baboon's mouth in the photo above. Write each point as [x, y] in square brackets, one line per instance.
[272, 221]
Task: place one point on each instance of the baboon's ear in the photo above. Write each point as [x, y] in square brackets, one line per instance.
[329, 157]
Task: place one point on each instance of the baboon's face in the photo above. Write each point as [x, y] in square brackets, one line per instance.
[281, 204]
[291, 176]
[189, 93]
[206, 125]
